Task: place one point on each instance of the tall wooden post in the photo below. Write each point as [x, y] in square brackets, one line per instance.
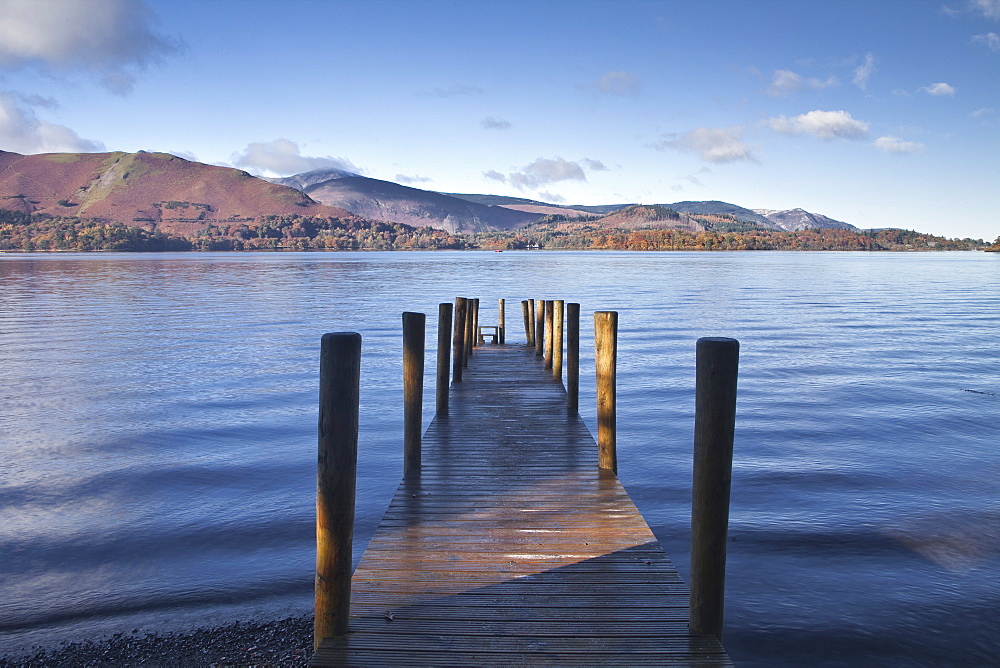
[458, 342]
[548, 333]
[526, 315]
[444, 338]
[501, 324]
[531, 323]
[717, 362]
[557, 339]
[573, 356]
[606, 361]
[539, 327]
[336, 481]
[470, 324]
[414, 338]
[475, 323]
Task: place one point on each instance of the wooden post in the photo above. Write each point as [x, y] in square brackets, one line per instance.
[573, 356]
[444, 337]
[717, 362]
[548, 333]
[531, 323]
[557, 339]
[606, 361]
[501, 324]
[458, 342]
[414, 337]
[526, 315]
[336, 481]
[470, 321]
[539, 327]
[475, 322]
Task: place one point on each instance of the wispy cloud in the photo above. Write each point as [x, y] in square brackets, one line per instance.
[889, 144]
[490, 123]
[821, 124]
[711, 144]
[786, 82]
[21, 131]
[545, 171]
[621, 84]
[551, 197]
[864, 71]
[983, 112]
[457, 90]
[938, 89]
[987, 8]
[403, 178]
[116, 39]
[282, 157]
[990, 40]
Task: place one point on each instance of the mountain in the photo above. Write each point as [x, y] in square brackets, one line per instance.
[795, 220]
[523, 204]
[311, 178]
[384, 200]
[649, 216]
[715, 208]
[154, 191]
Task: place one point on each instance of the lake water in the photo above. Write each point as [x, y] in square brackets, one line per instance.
[158, 432]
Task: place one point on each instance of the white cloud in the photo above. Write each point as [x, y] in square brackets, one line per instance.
[544, 171]
[938, 89]
[864, 71]
[983, 112]
[786, 82]
[594, 165]
[281, 157]
[889, 144]
[490, 123]
[822, 124]
[551, 197]
[712, 144]
[403, 178]
[113, 38]
[21, 131]
[619, 83]
[990, 40]
[494, 175]
[987, 8]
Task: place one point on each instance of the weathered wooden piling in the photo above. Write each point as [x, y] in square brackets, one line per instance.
[549, 305]
[606, 361]
[526, 315]
[470, 329]
[458, 342]
[501, 322]
[336, 481]
[444, 338]
[717, 363]
[414, 339]
[475, 325]
[558, 309]
[539, 327]
[531, 323]
[573, 356]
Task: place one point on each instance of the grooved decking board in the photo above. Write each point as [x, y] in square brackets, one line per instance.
[510, 546]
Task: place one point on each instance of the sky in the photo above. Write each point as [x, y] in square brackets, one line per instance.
[879, 113]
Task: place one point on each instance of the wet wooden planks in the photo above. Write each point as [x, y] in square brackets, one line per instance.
[511, 547]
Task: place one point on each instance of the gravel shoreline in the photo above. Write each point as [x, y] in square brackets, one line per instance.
[285, 642]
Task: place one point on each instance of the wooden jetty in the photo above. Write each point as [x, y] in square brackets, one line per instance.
[509, 545]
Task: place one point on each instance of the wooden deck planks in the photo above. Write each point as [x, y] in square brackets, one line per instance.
[510, 546]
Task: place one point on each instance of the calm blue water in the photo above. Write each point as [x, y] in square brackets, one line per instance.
[158, 417]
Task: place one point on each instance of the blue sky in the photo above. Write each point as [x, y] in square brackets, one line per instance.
[879, 113]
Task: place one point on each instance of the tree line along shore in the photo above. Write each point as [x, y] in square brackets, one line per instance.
[24, 232]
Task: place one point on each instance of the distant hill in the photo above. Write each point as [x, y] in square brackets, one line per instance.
[384, 200]
[153, 191]
[716, 208]
[311, 178]
[650, 216]
[795, 220]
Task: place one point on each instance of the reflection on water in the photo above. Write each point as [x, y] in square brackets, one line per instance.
[157, 431]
